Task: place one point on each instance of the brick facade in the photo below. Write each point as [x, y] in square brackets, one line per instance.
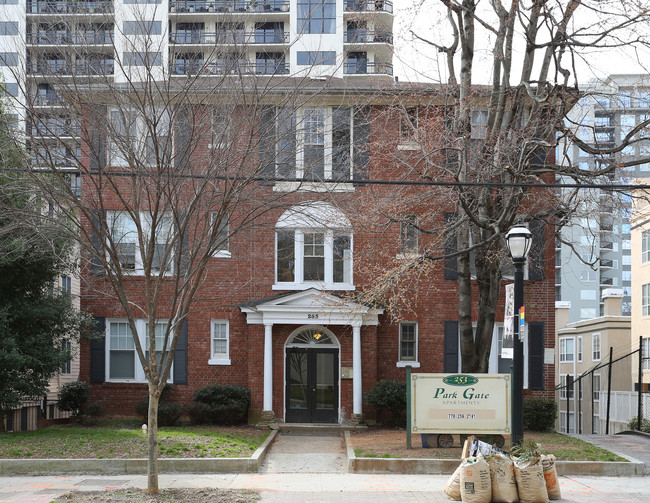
[249, 275]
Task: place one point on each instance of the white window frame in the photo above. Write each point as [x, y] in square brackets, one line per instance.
[595, 392]
[402, 362]
[137, 135]
[220, 128]
[645, 299]
[141, 328]
[219, 358]
[562, 419]
[564, 390]
[579, 349]
[564, 353]
[131, 237]
[596, 351]
[645, 246]
[409, 122]
[299, 247]
[645, 353]
[408, 230]
[224, 251]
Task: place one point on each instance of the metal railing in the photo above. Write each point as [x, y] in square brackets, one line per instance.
[365, 36]
[49, 38]
[367, 68]
[369, 6]
[252, 37]
[64, 68]
[240, 6]
[200, 68]
[65, 7]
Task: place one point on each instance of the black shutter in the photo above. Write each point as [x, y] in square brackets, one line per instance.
[451, 347]
[97, 246]
[98, 351]
[182, 137]
[360, 150]
[536, 254]
[341, 140]
[97, 137]
[266, 143]
[536, 355]
[286, 143]
[180, 356]
[451, 246]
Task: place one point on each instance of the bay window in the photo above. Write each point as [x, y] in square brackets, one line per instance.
[310, 253]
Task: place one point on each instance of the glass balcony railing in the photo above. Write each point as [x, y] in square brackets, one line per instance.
[365, 36]
[369, 6]
[242, 6]
[65, 7]
[251, 37]
[361, 67]
[228, 68]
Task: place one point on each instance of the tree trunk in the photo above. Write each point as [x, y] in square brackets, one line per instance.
[152, 429]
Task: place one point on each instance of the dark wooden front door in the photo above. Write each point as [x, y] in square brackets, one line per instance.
[312, 385]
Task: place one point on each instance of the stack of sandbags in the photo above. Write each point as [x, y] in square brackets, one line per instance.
[502, 476]
[475, 484]
[550, 477]
[530, 480]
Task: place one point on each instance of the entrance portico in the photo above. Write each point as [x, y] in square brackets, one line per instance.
[311, 308]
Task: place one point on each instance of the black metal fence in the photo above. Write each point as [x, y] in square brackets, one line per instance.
[609, 396]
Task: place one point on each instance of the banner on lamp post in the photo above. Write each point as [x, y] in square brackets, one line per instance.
[508, 323]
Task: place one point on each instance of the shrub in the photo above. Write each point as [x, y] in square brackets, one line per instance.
[168, 412]
[633, 424]
[388, 395]
[539, 413]
[92, 412]
[220, 404]
[73, 397]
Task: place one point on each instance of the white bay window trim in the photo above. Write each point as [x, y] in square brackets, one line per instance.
[120, 343]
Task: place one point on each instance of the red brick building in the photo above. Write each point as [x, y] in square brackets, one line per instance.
[279, 309]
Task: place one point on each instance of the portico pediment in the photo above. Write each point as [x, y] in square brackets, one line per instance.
[309, 307]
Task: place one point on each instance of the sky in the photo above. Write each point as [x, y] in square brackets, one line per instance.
[416, 61]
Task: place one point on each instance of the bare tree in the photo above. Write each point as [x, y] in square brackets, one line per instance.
[493, 156]
[172, 157]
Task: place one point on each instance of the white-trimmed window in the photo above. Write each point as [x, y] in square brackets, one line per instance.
[122, 361]
[595, 393]
[124, 235]
[219, 342]
[313, 249]
[220, 128]
[566, 386]
[133, 139]
[409, 234]
[645, 353]
[408, 126]
[408, 341]
[567, 351]
[222, 248]
[645, 246]
[595, 347]
[579, 348]
[645, 299]
[66, 367]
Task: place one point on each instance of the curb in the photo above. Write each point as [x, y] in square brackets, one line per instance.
[10, 467]
[447, 466]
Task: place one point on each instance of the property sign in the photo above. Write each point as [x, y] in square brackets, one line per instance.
[460, 403]
[508, 323]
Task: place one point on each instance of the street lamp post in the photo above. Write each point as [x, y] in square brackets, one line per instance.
[518, 239]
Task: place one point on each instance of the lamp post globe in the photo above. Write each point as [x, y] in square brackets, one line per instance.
[519, 240]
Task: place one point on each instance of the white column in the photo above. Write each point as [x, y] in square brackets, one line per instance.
[268, 367]
[356, 369]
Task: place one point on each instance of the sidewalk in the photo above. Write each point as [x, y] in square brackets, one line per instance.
[317, 487]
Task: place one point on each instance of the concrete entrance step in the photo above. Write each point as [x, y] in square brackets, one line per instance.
[315, 428]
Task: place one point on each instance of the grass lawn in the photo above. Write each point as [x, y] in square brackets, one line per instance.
[126, 440]
[391, 443]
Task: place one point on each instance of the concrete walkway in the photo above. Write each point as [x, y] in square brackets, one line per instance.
[628, 445]
[297, 452]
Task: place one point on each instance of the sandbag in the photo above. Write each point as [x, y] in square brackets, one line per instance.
[550, 477]
[502, 479]
[452, 488]
[475, 484]
[530, 481]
